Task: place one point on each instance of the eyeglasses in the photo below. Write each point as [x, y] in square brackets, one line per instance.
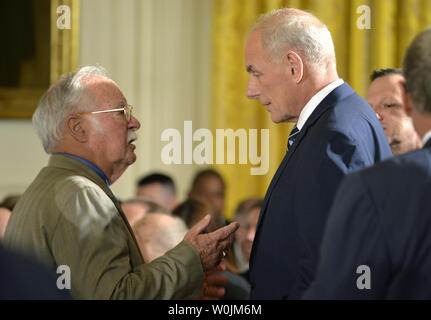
[127, 109]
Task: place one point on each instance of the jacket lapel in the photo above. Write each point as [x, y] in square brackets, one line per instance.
[327, 103]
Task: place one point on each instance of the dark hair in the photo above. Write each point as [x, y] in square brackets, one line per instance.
[417, 70]
[157, 177]
[378, 73]
[191, 211]
[204, 173]
[10, 201]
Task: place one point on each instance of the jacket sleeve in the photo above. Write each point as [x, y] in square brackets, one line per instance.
[91, 240]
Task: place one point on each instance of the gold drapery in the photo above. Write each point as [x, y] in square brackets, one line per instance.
[394, 23]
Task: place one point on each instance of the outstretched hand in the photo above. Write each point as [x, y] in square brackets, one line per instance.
[211, 246]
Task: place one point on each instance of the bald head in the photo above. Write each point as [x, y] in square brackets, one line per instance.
[158, 233]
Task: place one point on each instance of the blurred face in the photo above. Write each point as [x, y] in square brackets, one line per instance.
[387, 97]
[249, 232]
[269, 82]
[210, 190]
[134, 211]
[158, 193]
[110, 135]
[4, 219]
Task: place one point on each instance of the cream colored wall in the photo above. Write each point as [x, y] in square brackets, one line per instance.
[22, 156]
[158, 51]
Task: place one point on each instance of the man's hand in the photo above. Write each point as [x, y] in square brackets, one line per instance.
[213, 285]
[211, 245]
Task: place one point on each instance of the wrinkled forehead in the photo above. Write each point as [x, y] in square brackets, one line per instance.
[103, 91]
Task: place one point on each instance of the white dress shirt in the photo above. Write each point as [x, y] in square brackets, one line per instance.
[314, 102]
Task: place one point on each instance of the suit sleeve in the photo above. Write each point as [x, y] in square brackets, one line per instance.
[90, 239]
[354, 262]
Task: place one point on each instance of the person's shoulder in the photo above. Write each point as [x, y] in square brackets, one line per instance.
[407, 172]
[416, 162]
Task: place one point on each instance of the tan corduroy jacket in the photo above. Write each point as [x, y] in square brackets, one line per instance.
[69, 216]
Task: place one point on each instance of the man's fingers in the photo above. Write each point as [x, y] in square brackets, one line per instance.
[220, 267]
[199, 227]
[216, 280]
[226, 231]
[214, 292]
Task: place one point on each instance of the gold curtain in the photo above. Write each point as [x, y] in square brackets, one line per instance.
[394, 23]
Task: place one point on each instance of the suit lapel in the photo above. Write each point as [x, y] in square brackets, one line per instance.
[327, 103]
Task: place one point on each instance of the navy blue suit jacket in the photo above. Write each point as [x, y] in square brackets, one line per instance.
[381, 219]
[342, 134]
[21, 278]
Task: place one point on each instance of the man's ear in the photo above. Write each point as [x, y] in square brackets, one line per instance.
[76, 127]
[295, 65]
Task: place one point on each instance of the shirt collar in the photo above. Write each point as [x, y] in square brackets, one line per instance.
[314, 102]
[89, 164]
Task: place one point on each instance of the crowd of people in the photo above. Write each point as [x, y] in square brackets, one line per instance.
[350, 193]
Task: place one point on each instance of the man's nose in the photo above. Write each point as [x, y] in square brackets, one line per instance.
[134, 123]
[252, 89]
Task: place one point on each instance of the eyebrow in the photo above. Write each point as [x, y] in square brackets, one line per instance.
[251, 69]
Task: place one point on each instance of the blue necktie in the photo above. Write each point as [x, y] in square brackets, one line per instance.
[292, 137]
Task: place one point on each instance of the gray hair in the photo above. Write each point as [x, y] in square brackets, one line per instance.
[300, 31]
[417, 71]
[64, 97]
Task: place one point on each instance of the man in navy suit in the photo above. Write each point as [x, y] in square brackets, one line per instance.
[290, 57]
[377, 242]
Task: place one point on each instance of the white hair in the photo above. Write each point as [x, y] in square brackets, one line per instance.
[64, 97]
[297, 30]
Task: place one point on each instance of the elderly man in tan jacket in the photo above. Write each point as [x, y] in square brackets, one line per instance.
[69, 216]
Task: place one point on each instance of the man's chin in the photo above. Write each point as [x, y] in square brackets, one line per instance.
[131, 157]
[275, 119]
[132, 160]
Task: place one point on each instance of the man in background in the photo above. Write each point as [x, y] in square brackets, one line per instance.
[247, 215]
[136, 208]
[160, 188]
[208, 186]
[387, 96]
[378, 237]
